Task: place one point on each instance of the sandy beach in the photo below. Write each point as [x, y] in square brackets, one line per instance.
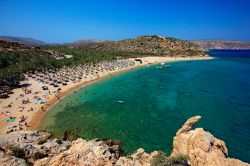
[26, 107]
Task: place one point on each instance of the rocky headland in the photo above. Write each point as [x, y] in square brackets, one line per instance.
[222, 44]
[190, 147]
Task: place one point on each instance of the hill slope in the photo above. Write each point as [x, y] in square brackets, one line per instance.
[151, 45]
[11, 45]
[27, 41]
[222, 44]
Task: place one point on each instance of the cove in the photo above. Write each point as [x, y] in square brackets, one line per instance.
[158, 101]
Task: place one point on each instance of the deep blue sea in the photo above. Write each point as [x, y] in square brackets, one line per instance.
[158, 101]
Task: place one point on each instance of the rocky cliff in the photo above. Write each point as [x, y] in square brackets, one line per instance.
[201, 147]
[39, 149]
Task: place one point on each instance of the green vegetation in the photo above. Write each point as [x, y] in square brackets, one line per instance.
[68, 146]
[70, 136]
[59, 141]
[18, 152]
[15, 58]
[39, 155]
[152, 45]
[41, 142]
[163, 160]
[14, 63]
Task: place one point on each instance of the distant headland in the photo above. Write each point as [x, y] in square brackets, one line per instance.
[223, 44]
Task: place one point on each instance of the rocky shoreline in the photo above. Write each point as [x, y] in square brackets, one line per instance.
[190, 147]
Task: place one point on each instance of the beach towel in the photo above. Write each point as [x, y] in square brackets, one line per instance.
[11, 120]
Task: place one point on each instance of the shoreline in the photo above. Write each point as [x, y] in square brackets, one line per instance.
[187, 141]
[36, 118]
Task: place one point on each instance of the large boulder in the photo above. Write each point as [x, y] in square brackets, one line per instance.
[201, 147]
[83, 152]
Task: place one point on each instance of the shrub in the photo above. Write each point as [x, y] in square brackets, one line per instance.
[163, 160]
[18, 152]
[59, 141]
[68, 146]
[41, 142]
[159, 160]
[178, 160]
[69, 135]
[39, 155]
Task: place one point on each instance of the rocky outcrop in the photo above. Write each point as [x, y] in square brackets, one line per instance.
[97, 153]
[83, 153]
[34, 145]
[201, 147]
[140, 158]
[40, 150]
[37, 148]
[22, 138]
[7, 160]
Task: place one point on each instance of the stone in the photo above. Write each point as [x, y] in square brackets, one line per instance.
[81, 152]
[201, 147]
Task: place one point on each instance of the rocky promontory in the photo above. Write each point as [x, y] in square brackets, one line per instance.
[190, 147]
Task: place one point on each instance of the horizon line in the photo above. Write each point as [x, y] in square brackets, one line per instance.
[109, 40]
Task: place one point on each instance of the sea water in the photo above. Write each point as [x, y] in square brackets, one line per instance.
[157, 101]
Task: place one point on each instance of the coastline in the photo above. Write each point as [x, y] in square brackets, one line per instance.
[36, 117]
[188, 148]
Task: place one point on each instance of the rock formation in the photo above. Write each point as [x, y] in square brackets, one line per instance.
[201, 147]
[37, 148]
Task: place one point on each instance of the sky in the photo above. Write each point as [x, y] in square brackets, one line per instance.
[62, 21]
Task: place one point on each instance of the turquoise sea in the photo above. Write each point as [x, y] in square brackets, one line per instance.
[158, 101]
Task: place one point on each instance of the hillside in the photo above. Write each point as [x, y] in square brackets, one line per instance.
[222, 44]
[9, 45]
[27, 41]
[16, 58]
[151, 45]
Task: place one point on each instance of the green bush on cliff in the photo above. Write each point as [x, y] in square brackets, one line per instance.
[69, 135]
[163, 160]
[39, 155]
[18, 152]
